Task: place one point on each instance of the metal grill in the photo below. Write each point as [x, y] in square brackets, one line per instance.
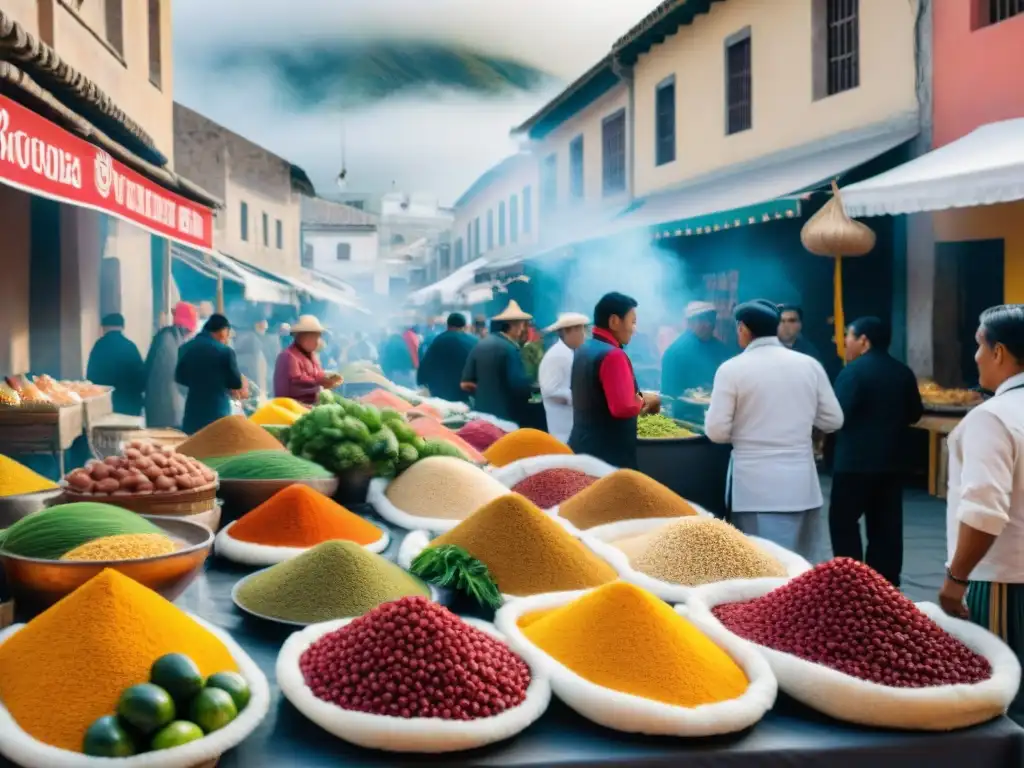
[739, 86]
[613, 159]
[843, 22]
[1001, 10]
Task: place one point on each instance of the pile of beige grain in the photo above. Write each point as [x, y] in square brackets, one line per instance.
[443, 487]
[698, 550]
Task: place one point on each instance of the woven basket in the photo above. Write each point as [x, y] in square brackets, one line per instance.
[177, 504]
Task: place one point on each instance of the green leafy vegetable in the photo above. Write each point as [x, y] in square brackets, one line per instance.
[454, 568]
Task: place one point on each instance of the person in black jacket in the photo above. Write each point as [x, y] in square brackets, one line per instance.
[494, 373]
[115, 362]
[440, 369]
[880, 400]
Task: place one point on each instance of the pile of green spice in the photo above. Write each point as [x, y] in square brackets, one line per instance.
[266, 465]
[334, 580]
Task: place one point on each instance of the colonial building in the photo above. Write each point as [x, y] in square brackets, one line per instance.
[963, 202]
[261, 221]
[495, 223]
[89, 196]
[343, 242]
[582, 144]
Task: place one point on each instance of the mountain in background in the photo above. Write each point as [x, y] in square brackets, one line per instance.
[354, 74]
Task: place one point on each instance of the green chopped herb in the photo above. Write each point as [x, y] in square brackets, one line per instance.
[454, 568]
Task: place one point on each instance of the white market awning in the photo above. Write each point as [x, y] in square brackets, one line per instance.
[478, 294]
[984, 167]
[447, 288]
[257, 287]
[323, 291]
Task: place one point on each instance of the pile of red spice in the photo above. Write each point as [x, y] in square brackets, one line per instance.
[481, 434]
[845, 616]
[414, 658]
[550, 487]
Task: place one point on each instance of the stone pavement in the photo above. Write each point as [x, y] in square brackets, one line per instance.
[924, 542]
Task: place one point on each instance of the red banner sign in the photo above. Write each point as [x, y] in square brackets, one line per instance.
[42, 158]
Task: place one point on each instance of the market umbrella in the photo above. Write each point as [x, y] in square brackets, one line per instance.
[830, 232]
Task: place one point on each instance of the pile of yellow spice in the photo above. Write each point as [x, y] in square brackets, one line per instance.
[18, 480]
[623, 638]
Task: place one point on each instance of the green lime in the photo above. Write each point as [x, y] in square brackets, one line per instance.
[213, 709]
[146, 706]
[108, 738]
[174, 735]
[178, 675]
[234, 684]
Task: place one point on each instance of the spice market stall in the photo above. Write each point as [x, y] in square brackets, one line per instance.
[33, 422]
[788, 734]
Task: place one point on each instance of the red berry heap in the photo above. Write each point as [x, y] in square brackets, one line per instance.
[551, 487]
[845, 616]
[414, 658]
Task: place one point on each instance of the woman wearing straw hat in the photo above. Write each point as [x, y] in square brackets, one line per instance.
[298, 373]
[494, 372]
[556, 372]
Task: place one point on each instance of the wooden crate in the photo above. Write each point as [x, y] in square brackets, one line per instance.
[95, 408]
[24, 430]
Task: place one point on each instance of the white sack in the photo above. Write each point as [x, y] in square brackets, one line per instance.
[634, 714]
[939, 708]
[22, 749]
[247, 553]
[396, 734]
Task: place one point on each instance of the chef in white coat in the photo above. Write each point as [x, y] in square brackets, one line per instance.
[555, 373]
[765, 401]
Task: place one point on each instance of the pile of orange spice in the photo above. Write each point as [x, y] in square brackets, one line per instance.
[300, 517]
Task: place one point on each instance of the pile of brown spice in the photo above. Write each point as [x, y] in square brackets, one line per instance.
[623, 495]
[699, 550]
[527, 552]
[229, 436]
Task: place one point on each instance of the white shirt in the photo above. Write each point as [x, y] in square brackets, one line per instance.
[765, 402]
[986, 482]
[555, 378]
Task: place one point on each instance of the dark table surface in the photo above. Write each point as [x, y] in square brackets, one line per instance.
[790, 736]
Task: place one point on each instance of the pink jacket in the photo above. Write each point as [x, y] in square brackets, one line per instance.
[298, 376]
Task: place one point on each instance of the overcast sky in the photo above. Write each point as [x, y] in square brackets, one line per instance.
[433, 143]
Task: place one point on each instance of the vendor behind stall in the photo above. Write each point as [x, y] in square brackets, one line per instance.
[693, 359]
[494, 373]
[556, 372]
[765, 401]
[440, 369]
[209, 368]
[115, 362]
[985, 504]
[298, 373]
[605, 398]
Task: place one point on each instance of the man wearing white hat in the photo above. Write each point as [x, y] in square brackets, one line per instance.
[494, 373]
[693, 358]
[298, 373]
[556, 372]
